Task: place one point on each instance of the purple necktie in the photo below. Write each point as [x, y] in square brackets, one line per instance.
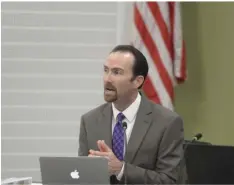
[118, 138]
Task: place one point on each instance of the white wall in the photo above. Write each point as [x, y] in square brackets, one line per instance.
[52, 55]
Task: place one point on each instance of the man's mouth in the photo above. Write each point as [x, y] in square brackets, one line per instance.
[109, 89]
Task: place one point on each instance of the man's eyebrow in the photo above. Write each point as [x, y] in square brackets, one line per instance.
[117, 68]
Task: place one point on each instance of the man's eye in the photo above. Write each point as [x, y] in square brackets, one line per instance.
[105, 69]
[116, 72]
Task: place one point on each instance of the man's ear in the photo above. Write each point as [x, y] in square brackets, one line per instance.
[138, 81]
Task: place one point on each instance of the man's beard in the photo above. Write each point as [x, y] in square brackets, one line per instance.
[110, 97]
[110, 93]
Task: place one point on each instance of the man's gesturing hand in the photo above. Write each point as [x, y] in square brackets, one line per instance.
[114, 164]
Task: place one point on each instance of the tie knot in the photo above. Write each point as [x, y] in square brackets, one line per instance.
[120, 117]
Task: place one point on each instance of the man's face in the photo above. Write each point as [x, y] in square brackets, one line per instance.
[117, 76]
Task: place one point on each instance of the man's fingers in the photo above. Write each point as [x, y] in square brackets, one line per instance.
[104, 146]
[104, 154]
[100, 146]
[91, 152]
[98, 153]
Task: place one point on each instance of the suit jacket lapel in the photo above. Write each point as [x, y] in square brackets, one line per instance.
[104, 126]
[140, 128]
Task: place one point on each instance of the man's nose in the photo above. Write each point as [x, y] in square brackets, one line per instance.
[107, 77]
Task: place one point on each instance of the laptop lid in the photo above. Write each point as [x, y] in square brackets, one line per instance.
[210, 164]
[74, 170]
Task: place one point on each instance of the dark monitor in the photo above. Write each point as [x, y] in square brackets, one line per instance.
[210, 164]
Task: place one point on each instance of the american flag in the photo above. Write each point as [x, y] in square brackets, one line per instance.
[158, 34]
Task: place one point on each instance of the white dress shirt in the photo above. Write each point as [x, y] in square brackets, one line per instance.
[130, 117]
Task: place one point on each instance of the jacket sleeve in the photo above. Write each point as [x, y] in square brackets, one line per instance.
[168, 159]
[83, 143]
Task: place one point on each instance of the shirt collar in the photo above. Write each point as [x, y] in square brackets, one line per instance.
[131, 111]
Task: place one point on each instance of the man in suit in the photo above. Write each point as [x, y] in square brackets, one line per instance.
[154, 134]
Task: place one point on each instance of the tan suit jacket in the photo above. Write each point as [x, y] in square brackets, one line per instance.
[155, 146]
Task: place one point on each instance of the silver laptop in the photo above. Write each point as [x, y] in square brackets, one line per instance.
[74, 170]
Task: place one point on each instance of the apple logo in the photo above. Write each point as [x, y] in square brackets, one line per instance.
[75, 174]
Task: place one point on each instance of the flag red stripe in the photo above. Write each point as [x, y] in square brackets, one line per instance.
[149, 43]
[183, 74]
[150, 91]
[159, 20]
[172, 23]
